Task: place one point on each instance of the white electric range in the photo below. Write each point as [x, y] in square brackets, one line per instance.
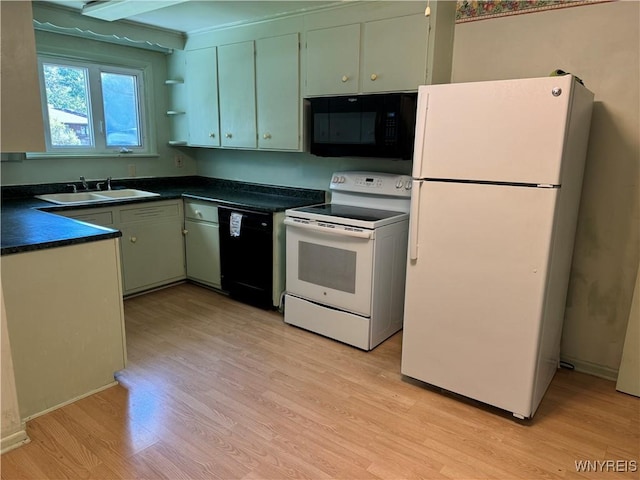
[346, 260]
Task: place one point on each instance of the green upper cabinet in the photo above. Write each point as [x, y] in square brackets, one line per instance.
[202, 97]
[381, 55]
[278, 92]
[257, 96]
[333, 59]
[21, 125]
[244, 85]
[237, 95]
[394, 54]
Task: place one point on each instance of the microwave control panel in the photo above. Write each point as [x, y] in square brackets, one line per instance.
[390, 128]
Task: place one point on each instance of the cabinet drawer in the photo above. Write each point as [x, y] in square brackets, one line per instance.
[103, 218]
[149, 212]
[204, 211]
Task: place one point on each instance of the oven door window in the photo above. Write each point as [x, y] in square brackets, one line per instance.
[326, 266]
[330, 269]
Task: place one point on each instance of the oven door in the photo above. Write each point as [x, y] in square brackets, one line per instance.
[330, 265]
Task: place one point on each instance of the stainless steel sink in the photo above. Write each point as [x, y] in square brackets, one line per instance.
[82, 198]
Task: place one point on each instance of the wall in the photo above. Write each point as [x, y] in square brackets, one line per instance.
[629, 374]
[13, 433]
[600, 44]
[44, 170]
[288, 169]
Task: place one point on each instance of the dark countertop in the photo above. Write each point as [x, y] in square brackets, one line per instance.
[28, 223]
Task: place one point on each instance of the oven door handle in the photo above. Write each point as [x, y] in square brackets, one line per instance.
[340, 232]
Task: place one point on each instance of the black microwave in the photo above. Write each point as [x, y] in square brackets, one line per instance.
[379, 125]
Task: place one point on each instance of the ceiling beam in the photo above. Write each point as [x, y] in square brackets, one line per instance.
[111, 10]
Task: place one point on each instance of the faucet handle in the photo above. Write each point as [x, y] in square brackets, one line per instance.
[99, 186]
[72, 185]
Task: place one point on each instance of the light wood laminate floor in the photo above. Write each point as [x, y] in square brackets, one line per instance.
[218, 389]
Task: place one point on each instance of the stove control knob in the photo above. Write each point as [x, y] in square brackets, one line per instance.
[399, 183]
[407, 185]
[342, 179]
[335, 179]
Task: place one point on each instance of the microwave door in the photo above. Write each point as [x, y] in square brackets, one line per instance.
[378, 125]
[345, 119]
[320, 120]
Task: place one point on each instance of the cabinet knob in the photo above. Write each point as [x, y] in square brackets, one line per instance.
[266, 136]
[198, 213]
[212, 135]
[133, 239]
[228, 135]
[373, 77]
[185, 231]
[344, 78]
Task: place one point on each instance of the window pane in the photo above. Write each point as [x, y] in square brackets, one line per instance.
[120, 99]
[68, 105]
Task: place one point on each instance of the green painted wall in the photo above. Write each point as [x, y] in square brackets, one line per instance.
[288, 169]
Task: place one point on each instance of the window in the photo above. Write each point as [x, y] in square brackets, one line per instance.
[92, 109]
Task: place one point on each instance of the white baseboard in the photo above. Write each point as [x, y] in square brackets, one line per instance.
[592, 368]
[14, 440]
[79, 397]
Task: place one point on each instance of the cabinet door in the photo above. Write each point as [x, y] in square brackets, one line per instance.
[395, 54]
[277, 89]
[202, 97]
[237, 95]
[202, 244]
[333, 57]
[152, 254]
[21, 123]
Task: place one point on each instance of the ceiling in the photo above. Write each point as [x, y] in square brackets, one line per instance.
[190, 16]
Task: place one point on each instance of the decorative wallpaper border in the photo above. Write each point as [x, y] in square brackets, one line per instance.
[473, 10]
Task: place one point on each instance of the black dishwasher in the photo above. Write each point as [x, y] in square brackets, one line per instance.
[246, 255]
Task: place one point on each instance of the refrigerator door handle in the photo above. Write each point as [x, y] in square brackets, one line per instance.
[415, 219]
[418, 150]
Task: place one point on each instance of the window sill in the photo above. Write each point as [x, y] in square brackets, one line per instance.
[44, 156]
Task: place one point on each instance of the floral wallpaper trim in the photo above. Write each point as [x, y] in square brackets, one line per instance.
[472, 10]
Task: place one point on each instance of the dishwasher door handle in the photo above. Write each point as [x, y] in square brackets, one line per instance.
[366, 234]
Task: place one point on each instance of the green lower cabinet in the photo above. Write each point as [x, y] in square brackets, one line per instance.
[152, 245]
[202, 247]
[202, 242]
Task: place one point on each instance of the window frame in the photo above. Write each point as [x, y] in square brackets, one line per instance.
[97, 124]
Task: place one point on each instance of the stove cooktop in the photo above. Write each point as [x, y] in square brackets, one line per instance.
[348, 215]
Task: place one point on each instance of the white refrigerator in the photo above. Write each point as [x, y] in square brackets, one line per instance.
[497, 177]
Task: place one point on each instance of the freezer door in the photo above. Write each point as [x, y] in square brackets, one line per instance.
[476, 288]
[501, 131]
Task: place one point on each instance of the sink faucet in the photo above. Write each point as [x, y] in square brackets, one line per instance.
[85, 185]
[108, 182]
